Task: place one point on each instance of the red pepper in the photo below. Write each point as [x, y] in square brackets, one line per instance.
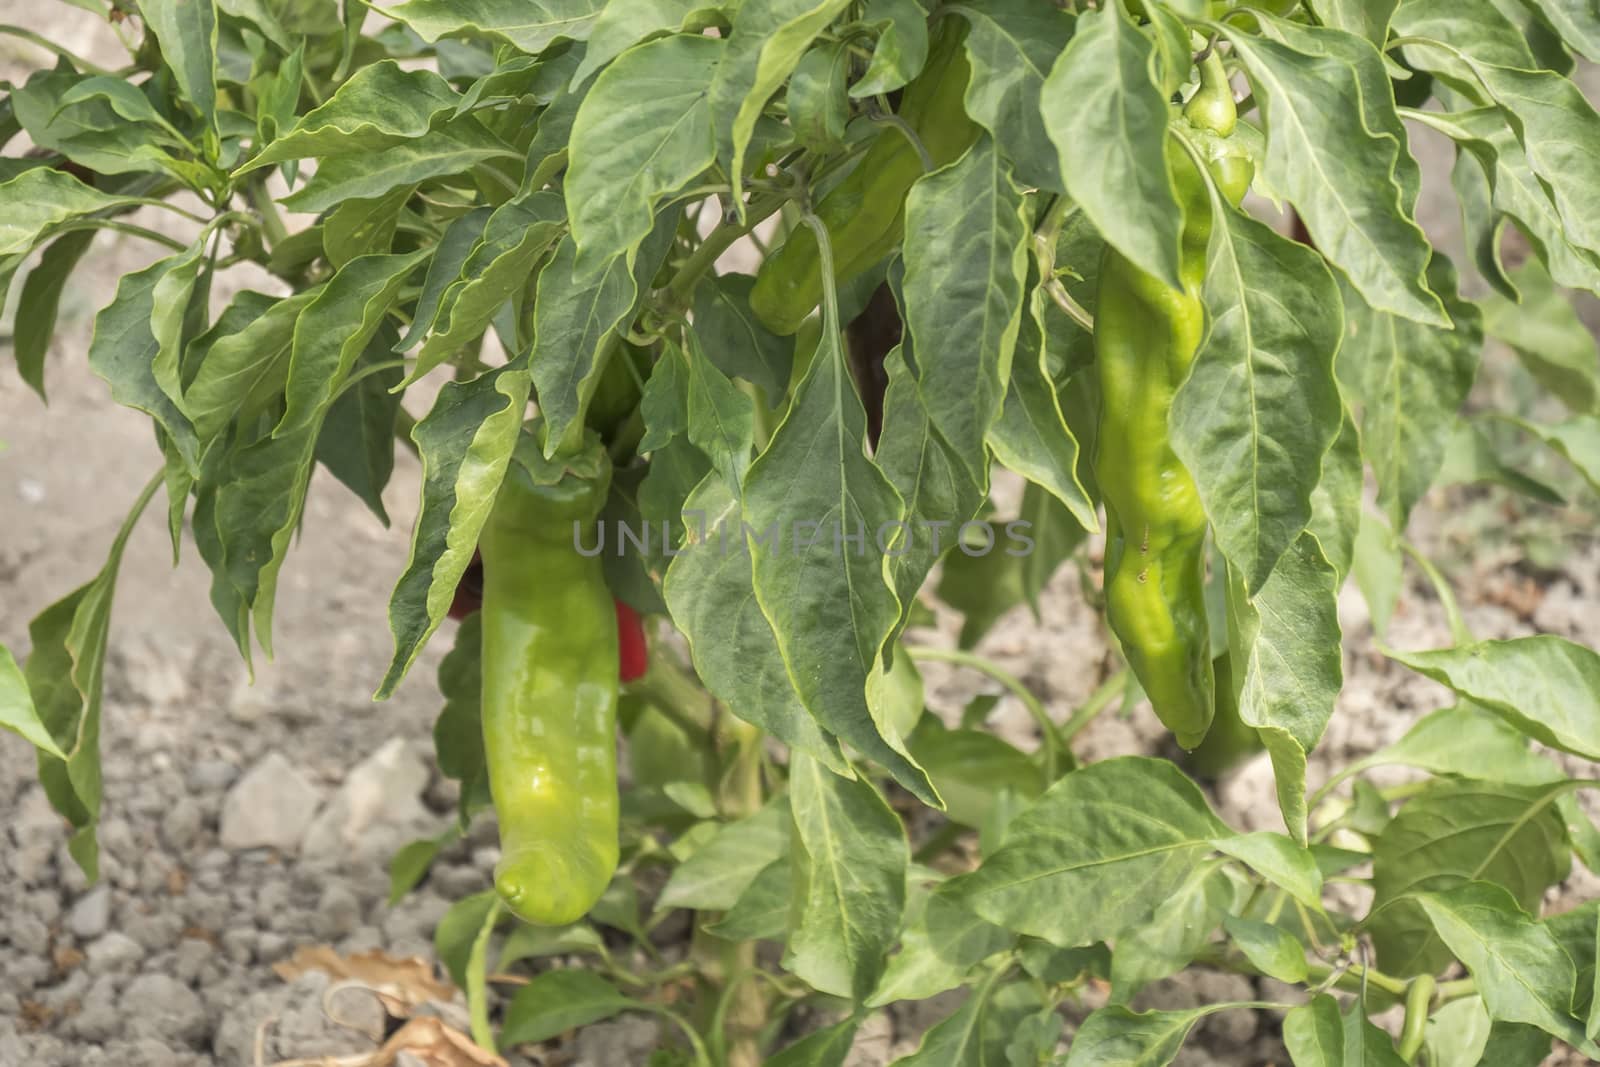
[634, 654]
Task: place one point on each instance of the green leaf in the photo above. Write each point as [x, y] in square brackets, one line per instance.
[1410, 380]
[458, 731]
[762, 910]
[17, 712]
[1099, 851]
[827, 601]
[558, 1001]
[1520, 969]
[720, 417]
[1270, 949]
[1336, 501]
[1474, 457]
[90, 133]
[516, 237]
[411, 863]
[124, 348]
[65, 674]
[465, 442]
[936, 482]
[530, 25]
[1260, 407]
[1366, 18]
[381, 105]
[1323, 153]
[1577, 440]
[1280, 861]
[1318, 1036]
[643, 131]
[187, 32]
[940, 942]
[901, 48]
[362, 227]
[719, 871]
[39, 199]
[356, 442]
[1545, 686]
[1170, 939]
[1578, 24]
[1031, 435]
[961, 1039]
[1466, 741]
[1287, 640]
[827, 1047]
[768, 39]
[1108, 120]
[1560, 132]
[41, 295]
[1117, 1037]
[578, 315]
[261, 496]
[971, 767]
[710, 592]
[453, 937]
[460, 240]
[966, 260]
[1549, 337]
[1457, 831]
[244, 360]
[850, 854]
[815, 101]
[448, 149]
[734, 339]
[622, 24]
[1012, 45]
[1457, 1033]
[1379, 570]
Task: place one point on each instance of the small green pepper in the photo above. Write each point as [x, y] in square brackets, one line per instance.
[550, 664]
[1146, 336]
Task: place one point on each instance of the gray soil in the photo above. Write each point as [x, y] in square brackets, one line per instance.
[243, 821]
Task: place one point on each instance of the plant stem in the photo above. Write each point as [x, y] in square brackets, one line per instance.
[477, 981]
[671, 690]
[1419, 1000]
[272, 228]
[1050, 739]
[1098, 701]
[717, 242]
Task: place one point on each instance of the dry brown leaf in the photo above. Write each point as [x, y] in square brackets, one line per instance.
[401, 984]
[437, 1045]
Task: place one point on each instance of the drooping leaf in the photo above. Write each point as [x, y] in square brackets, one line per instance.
[719, 871]
[1317, 1035]
[557, 1001]
[1117, 1037]
[530, 25]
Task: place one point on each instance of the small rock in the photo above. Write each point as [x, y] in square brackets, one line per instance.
[193, 955]
[114, 952]
[29, 934]
[630, 1039]
[270, 807]
[239, 945]
[181, 826]
[161, 1007]
[91, 915]
[385, 788]
[271, 947]
[871, 1045]
[99, 1017]
[212, 776]
[338, 911]
[155, 932]
[142, 669]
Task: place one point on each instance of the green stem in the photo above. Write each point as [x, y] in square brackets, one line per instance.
[54, 49]
[478, 981]
[1050, 739]
[273, 230]
[130, 228]
[677, 695]
[1098, 701]
[1045, 239]
[1419, 1000]
[717, 242]
[1441, 588]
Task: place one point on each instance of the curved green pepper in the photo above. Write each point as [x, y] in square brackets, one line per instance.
[550, 665]
[1146, 336]
[865, 213]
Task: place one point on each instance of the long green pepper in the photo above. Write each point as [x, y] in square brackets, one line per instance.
[1146, 336]
[550, 685]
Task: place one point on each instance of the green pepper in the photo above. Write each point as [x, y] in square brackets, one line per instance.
[1146, 335]
[550, 664]
[865, 213]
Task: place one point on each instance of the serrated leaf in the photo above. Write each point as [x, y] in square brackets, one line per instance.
[1457, 831]
[1096, 853]
[850, 853]
[465, 442]
[1260, 407]
[1108, 120]
[643, 131]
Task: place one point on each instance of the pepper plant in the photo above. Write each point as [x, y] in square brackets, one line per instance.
[992, 234]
